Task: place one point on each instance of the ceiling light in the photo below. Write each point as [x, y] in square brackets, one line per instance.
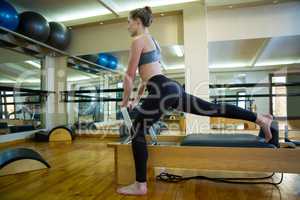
[178, 51]
[241, 75]
[179, 66]
[78, 78]
[81, 15]
[32, 63]
[6, 81]
[229, 65]
[31, 80]
[282, 62]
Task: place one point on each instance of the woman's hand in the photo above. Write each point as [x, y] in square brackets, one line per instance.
[124, 104]
[133, 103]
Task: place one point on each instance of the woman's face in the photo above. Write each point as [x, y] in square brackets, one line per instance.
[133, 26]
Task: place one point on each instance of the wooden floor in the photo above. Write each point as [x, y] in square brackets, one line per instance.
[85, 170]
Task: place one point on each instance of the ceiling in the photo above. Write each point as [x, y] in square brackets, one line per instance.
[74, 12]
[62, 10]
[255, 53]
[70, 10]
[233, 53]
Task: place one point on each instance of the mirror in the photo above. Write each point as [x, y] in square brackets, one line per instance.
[107, 111]
[261, 75]
[19, 110]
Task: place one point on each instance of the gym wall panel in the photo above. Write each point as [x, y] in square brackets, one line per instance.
[115, 37]
[254, 22]
[196, 61]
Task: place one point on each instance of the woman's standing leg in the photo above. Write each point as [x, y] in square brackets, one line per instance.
[147, 115]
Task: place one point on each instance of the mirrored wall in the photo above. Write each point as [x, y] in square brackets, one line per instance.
[261, 75]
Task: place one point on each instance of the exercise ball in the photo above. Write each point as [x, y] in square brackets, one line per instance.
[34, 26]
[103, 59]
[9, 17]
[60, 36]
[112, 62]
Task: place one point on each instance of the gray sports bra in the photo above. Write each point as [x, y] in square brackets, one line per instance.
[150, 56]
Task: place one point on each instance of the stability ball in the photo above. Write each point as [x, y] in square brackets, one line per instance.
[103, 59]
[112, 62]
[34, 25]
[9, 17]
[60, 36]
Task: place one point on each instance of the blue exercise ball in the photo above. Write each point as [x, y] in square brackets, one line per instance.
[34, 25]
[112, 62]
[103, 59]
[9, 17]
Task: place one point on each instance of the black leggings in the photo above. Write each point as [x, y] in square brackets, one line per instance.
[164, 94]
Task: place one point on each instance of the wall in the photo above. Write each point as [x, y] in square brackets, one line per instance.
[115, 37]
[254, 22]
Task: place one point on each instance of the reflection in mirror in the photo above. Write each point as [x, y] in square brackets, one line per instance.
[19, 110]
[97, 95]
[261, 75]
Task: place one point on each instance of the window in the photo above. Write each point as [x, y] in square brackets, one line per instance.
[279, 107]
[6, 109]
[241, 101]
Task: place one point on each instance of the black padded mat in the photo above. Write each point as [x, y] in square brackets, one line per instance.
[225, 140]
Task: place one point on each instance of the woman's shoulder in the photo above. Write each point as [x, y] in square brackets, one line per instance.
[143, 37]
[140, 40]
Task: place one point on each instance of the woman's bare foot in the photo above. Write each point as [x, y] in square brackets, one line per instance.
[136, 188]
[264, 121]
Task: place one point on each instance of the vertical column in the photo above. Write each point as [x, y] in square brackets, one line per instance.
[196, 61]
[54, 78]
[72, 108]
[293, 109]
[106, 109]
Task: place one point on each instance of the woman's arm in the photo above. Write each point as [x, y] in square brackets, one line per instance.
[134, 57]
[140, 93]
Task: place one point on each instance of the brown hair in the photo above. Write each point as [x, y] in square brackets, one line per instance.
[144, 14]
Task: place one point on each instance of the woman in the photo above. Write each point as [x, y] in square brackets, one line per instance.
[163, 93]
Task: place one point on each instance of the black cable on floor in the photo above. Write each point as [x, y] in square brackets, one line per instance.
[171, 178]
